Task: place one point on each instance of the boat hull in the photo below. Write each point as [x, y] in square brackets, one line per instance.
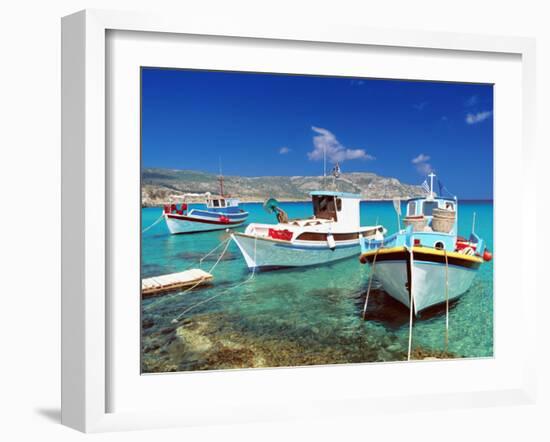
[432, 282]
[264, 253]
[178, 224]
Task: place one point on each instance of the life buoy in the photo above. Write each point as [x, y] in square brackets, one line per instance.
[467, 251]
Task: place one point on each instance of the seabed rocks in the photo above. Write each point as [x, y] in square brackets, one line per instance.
[215, 341]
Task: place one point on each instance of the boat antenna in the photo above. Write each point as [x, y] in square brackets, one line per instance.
[397, 208]
[324, 165]
[221, 176]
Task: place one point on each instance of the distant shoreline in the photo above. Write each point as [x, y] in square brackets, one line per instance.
[474, 200]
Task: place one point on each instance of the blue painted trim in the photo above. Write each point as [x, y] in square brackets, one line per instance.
[316, 247]
[216, 215]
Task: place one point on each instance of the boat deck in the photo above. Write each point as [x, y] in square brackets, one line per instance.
[160, 285]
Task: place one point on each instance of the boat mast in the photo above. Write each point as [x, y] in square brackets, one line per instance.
[431, 175]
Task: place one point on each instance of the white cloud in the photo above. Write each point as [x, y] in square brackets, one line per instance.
[478, 118]
[421, 164]
[420, 159]
[284, 150]
[325, 141]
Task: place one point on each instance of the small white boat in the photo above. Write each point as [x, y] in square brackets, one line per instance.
[221, 212]
[427, 262]
[331, 234]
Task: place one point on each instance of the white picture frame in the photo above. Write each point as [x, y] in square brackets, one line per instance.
[85, 310]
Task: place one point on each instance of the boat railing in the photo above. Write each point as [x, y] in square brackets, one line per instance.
[480, 243]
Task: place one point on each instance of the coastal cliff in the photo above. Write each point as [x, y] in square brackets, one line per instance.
[163, 185]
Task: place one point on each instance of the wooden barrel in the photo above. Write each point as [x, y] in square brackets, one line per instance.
[443, 220]
[418, 222]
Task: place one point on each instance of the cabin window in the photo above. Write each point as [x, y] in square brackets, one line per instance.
[339, 204]
[324, 207]
[222, 203]
[429, 207]
[411, 208]
[449, 206]
[215, 203]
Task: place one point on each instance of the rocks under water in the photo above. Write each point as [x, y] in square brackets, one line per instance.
[210, 342]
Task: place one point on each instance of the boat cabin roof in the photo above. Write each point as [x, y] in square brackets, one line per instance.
[432, 199]
[336, 194]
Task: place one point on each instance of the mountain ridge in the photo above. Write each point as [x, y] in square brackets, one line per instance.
[159, 186]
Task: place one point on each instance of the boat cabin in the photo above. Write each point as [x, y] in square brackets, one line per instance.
[426, 206]
[432, 221]
[340, 207]
[222, 204]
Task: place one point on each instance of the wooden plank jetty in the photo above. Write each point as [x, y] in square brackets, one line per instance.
[162, 284]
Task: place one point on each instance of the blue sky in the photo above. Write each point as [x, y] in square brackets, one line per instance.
[273, 124]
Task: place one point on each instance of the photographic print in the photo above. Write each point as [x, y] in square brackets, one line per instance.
[298, 220]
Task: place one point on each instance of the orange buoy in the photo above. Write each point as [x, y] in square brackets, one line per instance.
[487, 256]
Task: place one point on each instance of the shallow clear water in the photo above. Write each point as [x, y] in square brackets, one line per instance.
[302, 316]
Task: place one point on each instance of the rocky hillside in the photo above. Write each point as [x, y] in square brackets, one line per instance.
[161, 185]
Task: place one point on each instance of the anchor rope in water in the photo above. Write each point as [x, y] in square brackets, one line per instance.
[154, 224]
[204, 301]
[411, 305]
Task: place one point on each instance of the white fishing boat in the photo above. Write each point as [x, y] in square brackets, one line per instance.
[219, 213]
[331, 234]
[427, 262]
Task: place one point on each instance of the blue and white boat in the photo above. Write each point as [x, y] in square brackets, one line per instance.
[219, 213]
[426, 263]
[331, 234]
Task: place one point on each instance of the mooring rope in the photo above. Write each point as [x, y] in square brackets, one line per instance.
[370, 282]
[201, 279]
[446, 301]
[154, 224]
[213, 250]
[411, 305]
[227, 241]
[204, 301]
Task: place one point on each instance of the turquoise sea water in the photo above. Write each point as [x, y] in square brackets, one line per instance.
[301, 316]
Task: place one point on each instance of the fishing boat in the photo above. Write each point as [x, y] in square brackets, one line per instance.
[426, 263]
[218, 213]
[331, 234]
